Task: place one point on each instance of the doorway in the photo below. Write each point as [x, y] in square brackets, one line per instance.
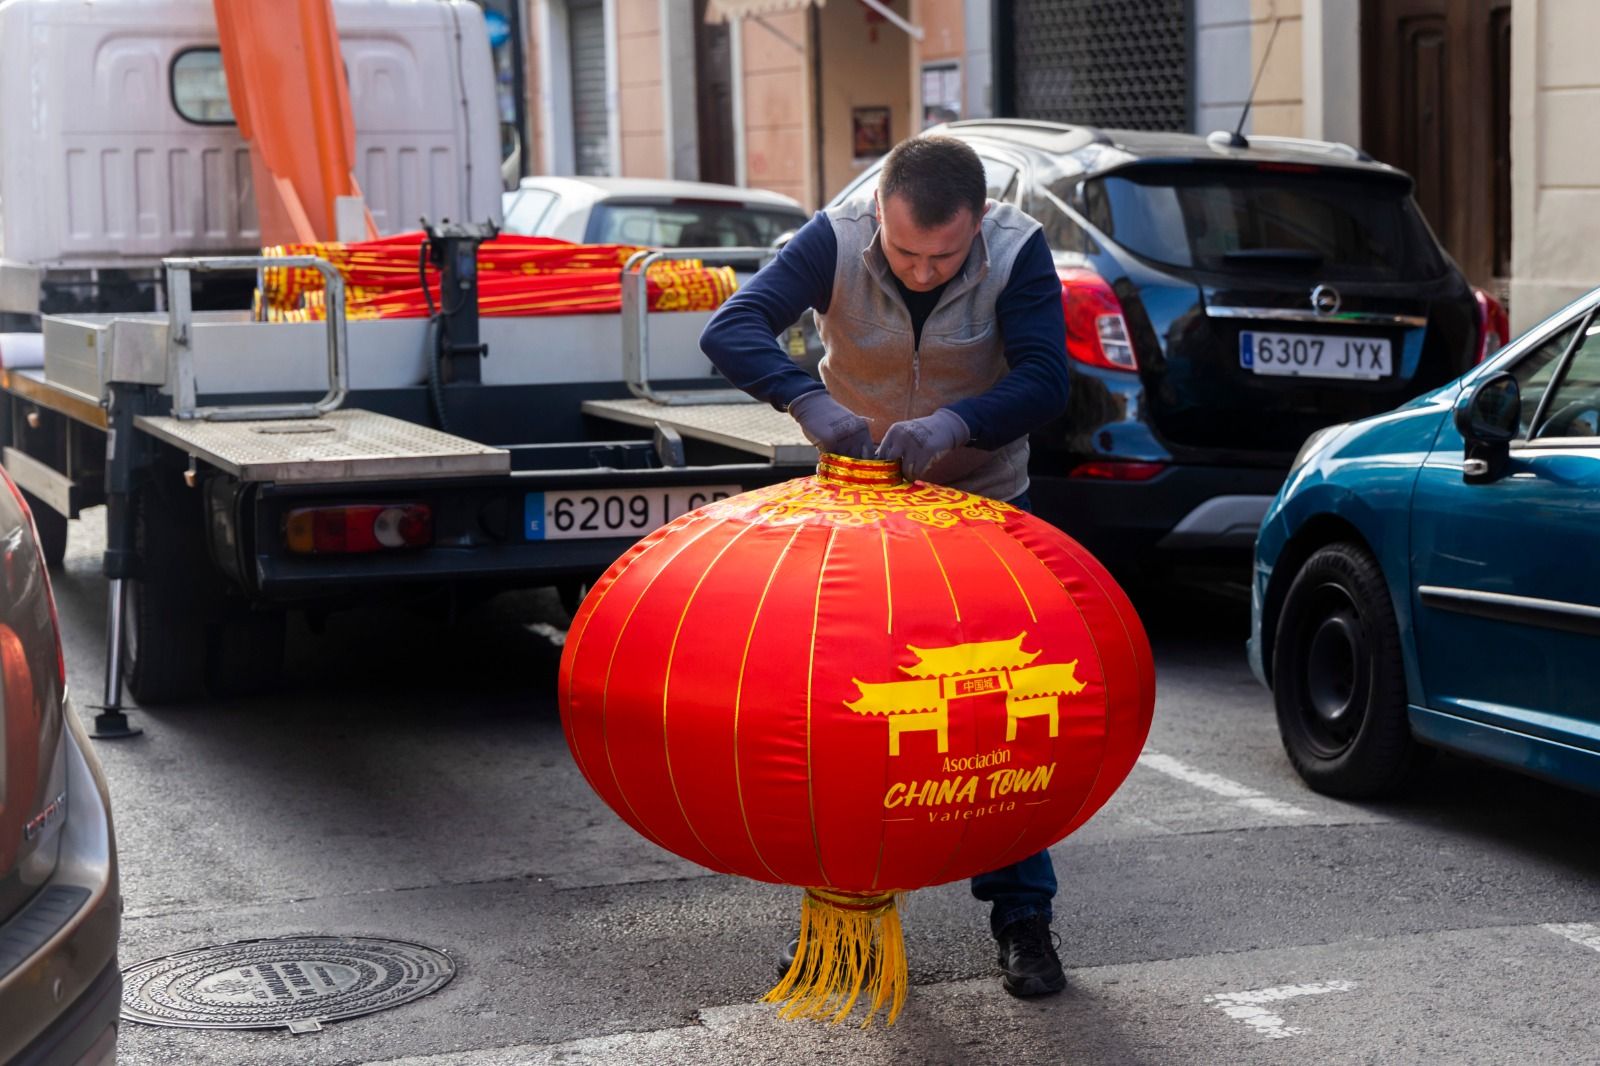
[591, 119]
[1436, 87]
[714, 96]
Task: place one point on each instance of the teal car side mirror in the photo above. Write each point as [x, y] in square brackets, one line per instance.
[1488, 416]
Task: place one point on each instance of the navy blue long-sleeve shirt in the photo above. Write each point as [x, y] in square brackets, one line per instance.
[741, 340]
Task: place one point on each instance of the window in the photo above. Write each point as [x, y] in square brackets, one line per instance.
[999, 179]
[689, 225]
[941, 94]
[1339, 226]
[1534, 372]
[200, 87]
[1573, 406]
[528, 210]
[1061, 231]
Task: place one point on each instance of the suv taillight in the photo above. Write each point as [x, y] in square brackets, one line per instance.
[44, 574]
[1097, 334]
[1494, 326]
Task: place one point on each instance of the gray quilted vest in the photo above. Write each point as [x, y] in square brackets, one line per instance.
[873, 367]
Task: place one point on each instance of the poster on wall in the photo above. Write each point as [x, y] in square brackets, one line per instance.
[869, 128]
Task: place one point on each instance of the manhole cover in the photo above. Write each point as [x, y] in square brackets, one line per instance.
[295, 982]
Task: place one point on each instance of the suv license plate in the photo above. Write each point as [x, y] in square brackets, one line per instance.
[1311, 356]
[612, 513]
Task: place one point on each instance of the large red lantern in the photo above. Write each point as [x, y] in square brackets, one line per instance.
[860, 686]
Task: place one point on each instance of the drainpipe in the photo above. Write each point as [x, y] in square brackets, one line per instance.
[817, 103]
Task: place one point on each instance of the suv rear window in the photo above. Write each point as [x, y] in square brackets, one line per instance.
[689, 225]
[1249, 219]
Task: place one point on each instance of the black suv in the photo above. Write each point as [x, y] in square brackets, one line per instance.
[1223, 301]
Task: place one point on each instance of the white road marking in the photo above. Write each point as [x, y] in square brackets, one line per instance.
[1247, 1007]
[1578, 932]
[1242, 795]
[553, 634]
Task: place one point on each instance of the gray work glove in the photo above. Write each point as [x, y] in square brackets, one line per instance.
[921, 442]
[832, 426]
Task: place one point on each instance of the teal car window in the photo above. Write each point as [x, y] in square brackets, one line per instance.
[1535, 371]
[1573, 409]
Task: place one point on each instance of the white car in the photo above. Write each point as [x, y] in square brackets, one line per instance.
[649, 213]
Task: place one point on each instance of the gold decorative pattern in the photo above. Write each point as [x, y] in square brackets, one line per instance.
[811, 501]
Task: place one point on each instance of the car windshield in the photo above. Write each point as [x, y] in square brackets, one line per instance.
[1271, 217]
[527, 209]
[999, 180]
[682, 224]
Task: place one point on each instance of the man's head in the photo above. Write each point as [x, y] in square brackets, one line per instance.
[931, 200]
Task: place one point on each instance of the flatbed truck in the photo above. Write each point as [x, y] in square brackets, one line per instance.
[251, 468]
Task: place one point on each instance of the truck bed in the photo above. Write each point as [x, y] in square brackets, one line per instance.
[747, 427]
[346, 445]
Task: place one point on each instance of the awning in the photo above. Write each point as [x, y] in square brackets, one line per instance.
[723, 10]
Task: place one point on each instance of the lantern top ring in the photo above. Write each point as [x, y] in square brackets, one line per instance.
[861, 473]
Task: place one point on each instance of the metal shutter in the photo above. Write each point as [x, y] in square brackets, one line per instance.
[591, 123]
[1118, 63]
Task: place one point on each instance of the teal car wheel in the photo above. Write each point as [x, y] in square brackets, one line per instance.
[1339, 679]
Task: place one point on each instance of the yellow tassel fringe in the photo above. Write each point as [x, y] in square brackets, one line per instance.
[849, 945]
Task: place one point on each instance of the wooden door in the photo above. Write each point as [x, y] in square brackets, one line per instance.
[1436, 92]
[714, 97]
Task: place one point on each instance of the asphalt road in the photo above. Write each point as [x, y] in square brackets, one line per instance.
[410, 780]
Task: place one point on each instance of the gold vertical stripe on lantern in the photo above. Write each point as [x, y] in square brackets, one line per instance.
[666, 688]
[811, 676]
[738, 702]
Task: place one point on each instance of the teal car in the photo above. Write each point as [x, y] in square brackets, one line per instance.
[1430, 577]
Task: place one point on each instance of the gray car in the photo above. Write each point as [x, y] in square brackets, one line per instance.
[60, 907]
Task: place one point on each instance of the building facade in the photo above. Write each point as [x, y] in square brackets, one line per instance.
[789, 95]
[1481, 101]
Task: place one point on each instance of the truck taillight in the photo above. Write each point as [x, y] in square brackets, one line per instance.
[1097, 334]
[356, 528]
[1494, 325]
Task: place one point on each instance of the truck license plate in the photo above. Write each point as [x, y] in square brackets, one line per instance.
[613, 513]
[1312, 356]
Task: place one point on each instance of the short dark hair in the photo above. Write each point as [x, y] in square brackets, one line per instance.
[937, 175]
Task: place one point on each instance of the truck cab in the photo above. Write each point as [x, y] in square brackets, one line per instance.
[118, 146]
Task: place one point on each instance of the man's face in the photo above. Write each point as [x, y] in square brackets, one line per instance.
[923, 258]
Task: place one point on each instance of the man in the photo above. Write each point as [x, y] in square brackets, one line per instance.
[940, 313]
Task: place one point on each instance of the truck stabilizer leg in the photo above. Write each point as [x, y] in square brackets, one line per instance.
[119, 559]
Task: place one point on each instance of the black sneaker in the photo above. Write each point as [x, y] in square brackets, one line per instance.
[786, 956]
[1028, 961]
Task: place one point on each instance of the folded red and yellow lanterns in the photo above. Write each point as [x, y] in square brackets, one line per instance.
[860, 686]
[516, 276]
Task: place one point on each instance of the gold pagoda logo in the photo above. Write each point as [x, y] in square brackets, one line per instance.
[943, 675]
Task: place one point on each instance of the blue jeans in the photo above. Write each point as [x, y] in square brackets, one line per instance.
[1024, 888]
